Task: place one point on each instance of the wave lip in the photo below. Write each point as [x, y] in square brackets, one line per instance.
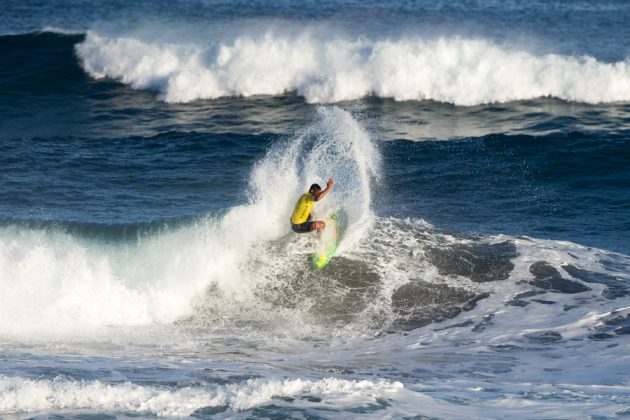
[328, 68]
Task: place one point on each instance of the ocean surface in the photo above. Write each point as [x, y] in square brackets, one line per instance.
[151, 155]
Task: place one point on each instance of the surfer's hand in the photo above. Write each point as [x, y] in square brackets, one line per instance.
[330, 183]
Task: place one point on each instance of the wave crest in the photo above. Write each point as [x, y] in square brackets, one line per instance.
[327, 68]
[25, 395]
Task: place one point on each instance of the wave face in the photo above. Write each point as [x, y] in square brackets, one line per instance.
[324, 67]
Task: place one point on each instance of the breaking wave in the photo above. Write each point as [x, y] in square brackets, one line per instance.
[26, 395]
[58, 283]
[324, 66]
[244, 273]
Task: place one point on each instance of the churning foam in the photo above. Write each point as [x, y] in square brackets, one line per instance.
[55, 283]
[26, 395]
[325, 68]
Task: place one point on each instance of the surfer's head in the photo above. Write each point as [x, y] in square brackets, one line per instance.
[315, 188]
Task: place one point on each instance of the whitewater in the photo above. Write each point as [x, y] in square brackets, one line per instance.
[157, 278]
[152, 156]
[332, 68]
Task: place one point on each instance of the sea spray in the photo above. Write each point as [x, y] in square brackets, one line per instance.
[334, 146]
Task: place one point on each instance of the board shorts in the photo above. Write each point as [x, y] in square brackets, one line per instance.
[303, 227]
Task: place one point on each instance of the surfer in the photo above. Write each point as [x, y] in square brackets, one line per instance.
[301, 218]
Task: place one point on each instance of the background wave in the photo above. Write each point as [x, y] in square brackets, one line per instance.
[46, 66]
[329, 67]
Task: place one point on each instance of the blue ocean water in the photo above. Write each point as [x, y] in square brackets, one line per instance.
[152, 154]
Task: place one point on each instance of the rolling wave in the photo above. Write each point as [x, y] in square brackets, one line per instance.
[325, 67]
[24, 395]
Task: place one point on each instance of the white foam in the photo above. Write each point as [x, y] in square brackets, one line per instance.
[454, 372]
[325, 66]
[18, 395]
[398, 256]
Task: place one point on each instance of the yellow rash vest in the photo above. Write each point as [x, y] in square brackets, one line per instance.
[302, 208]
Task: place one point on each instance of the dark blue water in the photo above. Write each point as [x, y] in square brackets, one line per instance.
[152, 151]
[571, 186]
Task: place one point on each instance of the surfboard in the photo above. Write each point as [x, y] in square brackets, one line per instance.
[328, 241]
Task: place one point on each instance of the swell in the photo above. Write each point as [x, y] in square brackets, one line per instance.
[40, 62]
[105, 233]
[122, 180]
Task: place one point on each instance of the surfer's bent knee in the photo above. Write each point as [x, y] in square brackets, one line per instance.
[318, 225]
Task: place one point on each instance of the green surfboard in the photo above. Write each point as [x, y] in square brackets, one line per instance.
[328, 241]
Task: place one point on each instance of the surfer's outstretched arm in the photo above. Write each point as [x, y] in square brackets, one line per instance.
[322, 193]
